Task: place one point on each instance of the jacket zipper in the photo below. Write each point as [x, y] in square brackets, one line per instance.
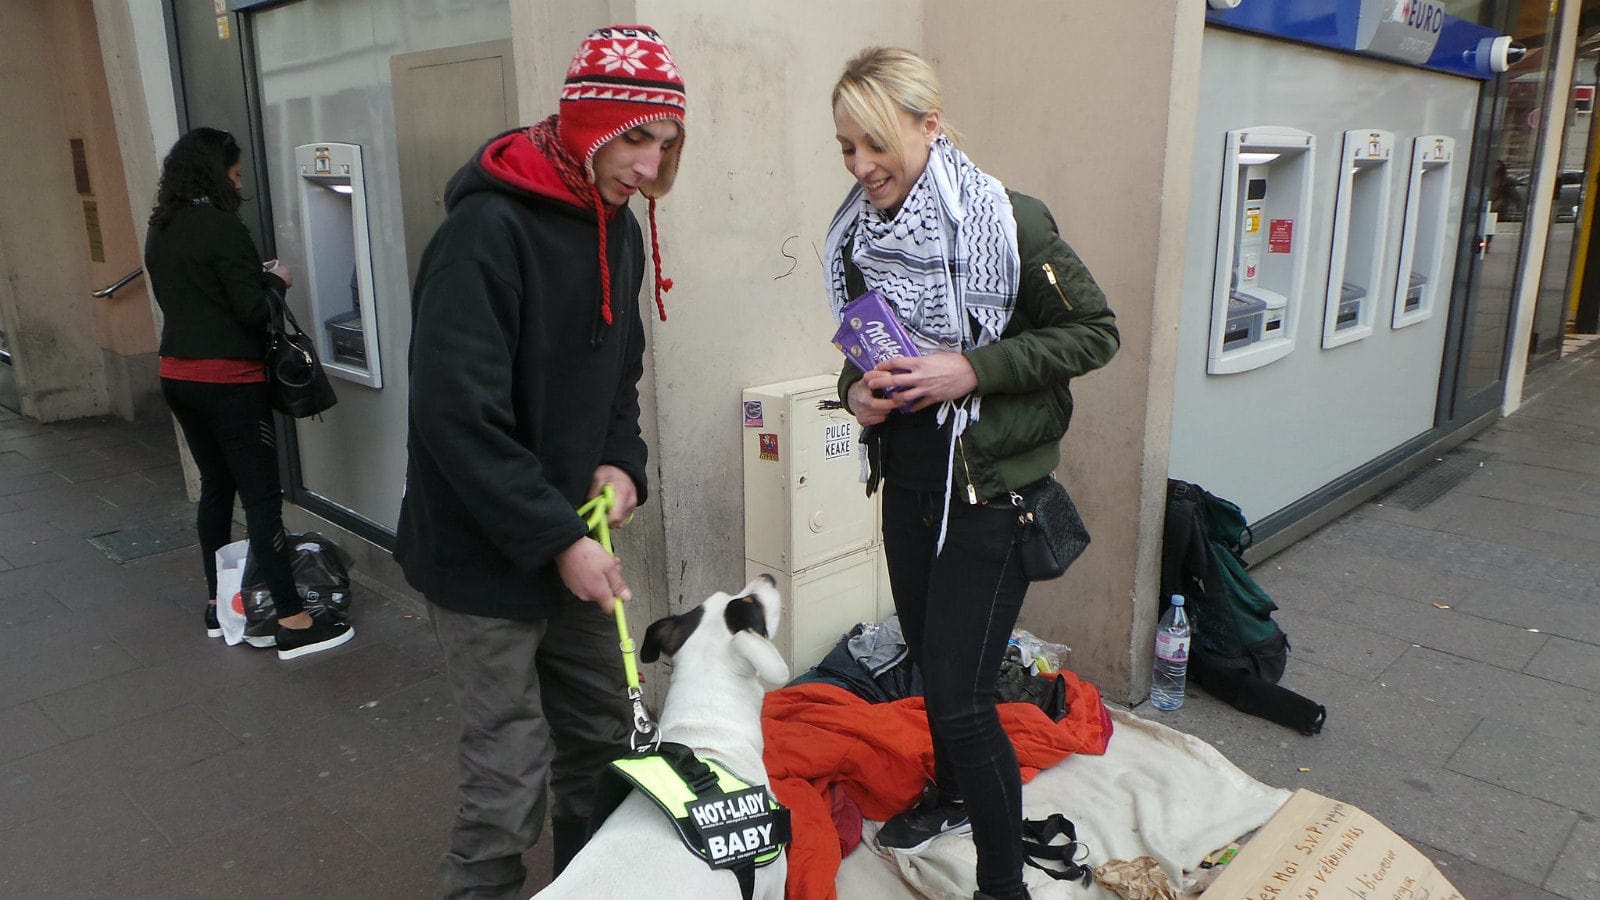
[1050, 274]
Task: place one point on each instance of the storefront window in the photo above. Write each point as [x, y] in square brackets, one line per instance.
[1552, 311]
[1518, 118]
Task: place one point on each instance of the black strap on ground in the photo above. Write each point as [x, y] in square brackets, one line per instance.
[1251, 694]
[1037, 835]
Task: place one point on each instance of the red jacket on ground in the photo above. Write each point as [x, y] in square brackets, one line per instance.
[881, 754]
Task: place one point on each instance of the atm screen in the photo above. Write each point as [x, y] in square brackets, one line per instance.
[1257, 189]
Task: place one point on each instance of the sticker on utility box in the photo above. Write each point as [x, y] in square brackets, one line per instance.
[753, 416]
[769, 446]
[735, 828]
[836, 441]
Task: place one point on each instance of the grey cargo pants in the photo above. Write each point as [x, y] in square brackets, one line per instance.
[539, 701]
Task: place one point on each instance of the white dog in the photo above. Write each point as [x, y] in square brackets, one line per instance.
[722, 663]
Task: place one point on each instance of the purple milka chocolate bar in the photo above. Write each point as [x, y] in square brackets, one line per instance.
[869, 332]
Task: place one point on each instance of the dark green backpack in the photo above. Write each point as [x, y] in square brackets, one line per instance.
[1238, 652]
[1202, 559]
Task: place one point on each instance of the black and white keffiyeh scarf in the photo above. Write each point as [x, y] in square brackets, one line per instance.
[946, 261]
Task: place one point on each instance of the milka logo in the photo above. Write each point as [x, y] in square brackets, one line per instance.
[882, 344]
[1421, 15]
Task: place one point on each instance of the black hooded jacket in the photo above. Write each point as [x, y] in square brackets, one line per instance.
[519, 389]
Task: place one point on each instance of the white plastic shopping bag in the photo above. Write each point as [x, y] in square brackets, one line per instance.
[230, 605]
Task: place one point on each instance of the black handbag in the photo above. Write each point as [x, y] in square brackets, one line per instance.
[1051, 534]
[295, 379]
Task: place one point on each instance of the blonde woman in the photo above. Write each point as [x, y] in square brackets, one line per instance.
[1003, 315]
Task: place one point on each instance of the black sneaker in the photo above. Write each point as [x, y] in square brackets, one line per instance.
[296, 642]
[915, 828]
[213, 627]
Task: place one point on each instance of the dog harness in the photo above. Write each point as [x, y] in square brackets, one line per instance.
[721, 818]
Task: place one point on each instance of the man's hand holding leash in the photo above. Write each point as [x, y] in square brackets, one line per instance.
[588, 569]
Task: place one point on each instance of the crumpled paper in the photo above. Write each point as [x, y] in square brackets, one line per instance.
[1137, 879]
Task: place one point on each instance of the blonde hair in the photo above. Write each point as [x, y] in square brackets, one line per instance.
[880, 82]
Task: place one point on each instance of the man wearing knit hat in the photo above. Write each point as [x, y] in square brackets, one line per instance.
[527, 345]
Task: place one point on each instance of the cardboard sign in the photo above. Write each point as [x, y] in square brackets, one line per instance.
[1315, 848]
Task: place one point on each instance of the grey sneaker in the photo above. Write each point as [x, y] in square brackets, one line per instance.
[916, 828]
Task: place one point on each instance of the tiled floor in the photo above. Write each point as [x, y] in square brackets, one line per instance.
[138, 758]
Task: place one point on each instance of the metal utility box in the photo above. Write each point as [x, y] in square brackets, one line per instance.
[807, 519]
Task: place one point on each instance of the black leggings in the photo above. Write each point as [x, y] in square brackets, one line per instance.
[957, 611]
[230, 433]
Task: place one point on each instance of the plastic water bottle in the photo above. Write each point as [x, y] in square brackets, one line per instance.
[1172, 657]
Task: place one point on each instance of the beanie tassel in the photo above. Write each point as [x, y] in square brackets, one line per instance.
[662, 284]
[605, 266]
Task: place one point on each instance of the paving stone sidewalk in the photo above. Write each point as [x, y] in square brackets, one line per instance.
[1456, 645]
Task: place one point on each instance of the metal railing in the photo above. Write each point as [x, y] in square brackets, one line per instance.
[118, 285]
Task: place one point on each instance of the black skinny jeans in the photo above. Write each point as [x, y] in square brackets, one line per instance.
[957, 611]
[230, 433]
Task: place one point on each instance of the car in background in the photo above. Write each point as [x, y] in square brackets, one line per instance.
[1569, 197]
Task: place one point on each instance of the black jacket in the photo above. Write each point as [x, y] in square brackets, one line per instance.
[207, 277]
[519, 390]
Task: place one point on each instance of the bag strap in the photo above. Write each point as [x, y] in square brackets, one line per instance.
[281, 320]
[1037, 835]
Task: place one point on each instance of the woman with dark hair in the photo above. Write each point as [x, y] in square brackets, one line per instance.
[213, 291]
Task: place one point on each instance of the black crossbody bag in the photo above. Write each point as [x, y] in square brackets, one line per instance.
[1051, 534]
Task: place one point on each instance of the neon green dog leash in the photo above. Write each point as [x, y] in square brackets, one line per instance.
[597, 513]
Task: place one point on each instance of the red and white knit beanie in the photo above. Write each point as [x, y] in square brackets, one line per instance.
[622, 77]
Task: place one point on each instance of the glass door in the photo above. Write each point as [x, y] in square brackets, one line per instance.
[1511, 119]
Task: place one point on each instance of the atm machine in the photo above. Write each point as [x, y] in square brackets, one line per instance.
[1424, 233]
[338, 263]
[1261, 252]
[1360, 233]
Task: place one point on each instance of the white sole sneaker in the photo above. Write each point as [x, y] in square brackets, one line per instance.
[338, 640]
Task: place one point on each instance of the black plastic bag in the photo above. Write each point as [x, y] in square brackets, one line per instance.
[321, 577]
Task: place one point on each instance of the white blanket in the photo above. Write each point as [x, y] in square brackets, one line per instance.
[1155, 792]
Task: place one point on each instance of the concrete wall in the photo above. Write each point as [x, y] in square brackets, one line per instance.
[761, 177]
[1092, 110]
[133, 49]
[48, 60]
[75, 356]
[740, 237]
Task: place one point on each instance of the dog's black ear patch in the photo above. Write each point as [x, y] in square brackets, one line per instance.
[667, 636]
[745, 614]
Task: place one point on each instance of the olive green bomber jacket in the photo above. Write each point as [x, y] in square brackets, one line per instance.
[1060, 328]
